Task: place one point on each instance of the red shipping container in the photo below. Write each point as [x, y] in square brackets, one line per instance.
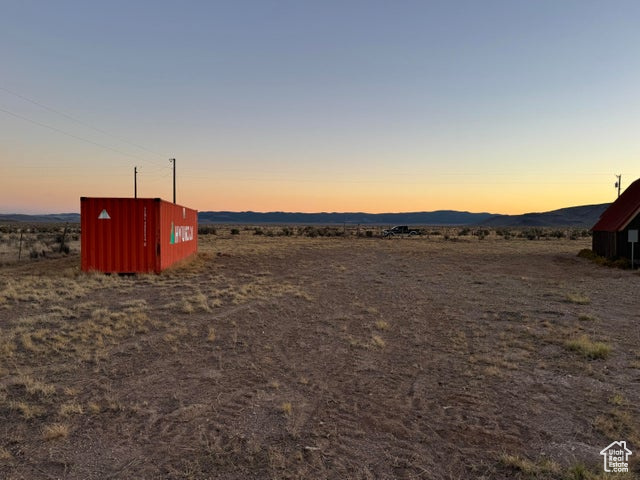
[135, 235]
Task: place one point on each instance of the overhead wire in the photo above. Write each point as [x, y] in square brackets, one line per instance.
[155, 171]
[77, 137]
[81, 122]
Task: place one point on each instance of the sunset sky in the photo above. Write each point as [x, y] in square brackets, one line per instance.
[376, 106]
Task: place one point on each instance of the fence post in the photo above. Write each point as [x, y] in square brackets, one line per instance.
[20, 247]
[64, 236]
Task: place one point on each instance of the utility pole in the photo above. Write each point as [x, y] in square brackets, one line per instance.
[618, 183]
[135, 182]
[173, 160]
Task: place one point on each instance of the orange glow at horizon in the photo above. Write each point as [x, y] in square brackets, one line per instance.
[60, 193]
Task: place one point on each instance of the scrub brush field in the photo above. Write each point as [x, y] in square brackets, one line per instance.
[311, 357]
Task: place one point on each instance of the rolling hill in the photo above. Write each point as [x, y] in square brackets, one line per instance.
[583, 216]
[47, 218]
[441, 217]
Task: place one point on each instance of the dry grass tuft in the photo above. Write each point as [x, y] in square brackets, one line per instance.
[27, 411]
[548, 469]
[618, 400]
[7, 349]
[378, 341]
[63, 312]
[5, 455]
[27, 343]
[197, 302]
[382, 325]
[304, 295]
[636, 362]
[55, 431]
[201, 302]
[70, 408]
[35, 387]
[618, 421]
[169, 337]
[588, 348]
[136, 305]
[286, 408]
[211, 335]
[528, 467]
[257, 288]
[186, 306]
[577, 299]
[493, 371]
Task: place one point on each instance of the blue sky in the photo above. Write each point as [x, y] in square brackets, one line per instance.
[372, 106]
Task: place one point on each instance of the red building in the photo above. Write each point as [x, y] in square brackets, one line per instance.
[611, 232]
[135, 235]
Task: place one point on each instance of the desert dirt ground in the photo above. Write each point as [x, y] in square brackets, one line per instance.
[312, 358]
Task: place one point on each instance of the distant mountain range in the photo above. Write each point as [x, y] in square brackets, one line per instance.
[584, 216]
[440, 217]
[48, 218]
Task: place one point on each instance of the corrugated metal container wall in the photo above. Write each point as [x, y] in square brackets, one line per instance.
[178, 233]
[127, 235]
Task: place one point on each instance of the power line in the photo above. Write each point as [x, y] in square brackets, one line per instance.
[55, 129]
[80, 122]
[156, 171]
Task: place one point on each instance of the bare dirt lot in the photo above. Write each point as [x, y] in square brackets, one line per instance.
[312, 358]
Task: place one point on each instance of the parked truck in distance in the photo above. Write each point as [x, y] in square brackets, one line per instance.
[401, 230]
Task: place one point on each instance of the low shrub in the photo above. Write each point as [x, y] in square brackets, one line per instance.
[587, 253]
[207, 230]
[313, 232]
[481, 233]
[532, 233]
[619, 262]
[504, 232]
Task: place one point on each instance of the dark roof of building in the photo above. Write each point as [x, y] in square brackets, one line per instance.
[622, 211]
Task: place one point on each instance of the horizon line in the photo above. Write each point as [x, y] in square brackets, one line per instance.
[330, 213]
